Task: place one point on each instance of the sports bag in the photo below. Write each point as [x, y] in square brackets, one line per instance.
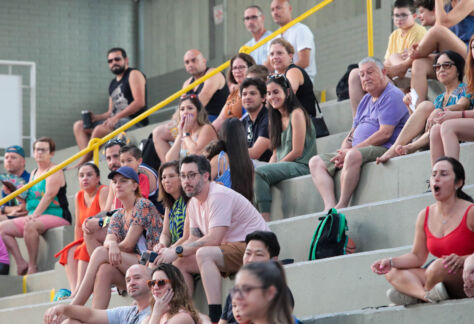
[330, 237]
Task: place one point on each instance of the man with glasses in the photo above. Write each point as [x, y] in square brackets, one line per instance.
[137, 278]
[299, 36]
[255, 23]
[219, 220]
[253, 92]
[127, 99]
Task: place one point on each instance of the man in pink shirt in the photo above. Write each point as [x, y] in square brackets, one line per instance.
[219, 219]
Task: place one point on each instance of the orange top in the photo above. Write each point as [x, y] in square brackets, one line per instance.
[84, 211]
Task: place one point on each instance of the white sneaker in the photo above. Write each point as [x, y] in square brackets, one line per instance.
[437, 293]
[399, 298]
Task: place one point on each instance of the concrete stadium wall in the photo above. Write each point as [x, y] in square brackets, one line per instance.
[68, 40]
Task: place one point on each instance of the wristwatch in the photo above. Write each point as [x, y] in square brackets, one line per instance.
[186, 134]
[101, 222]
[179, 251]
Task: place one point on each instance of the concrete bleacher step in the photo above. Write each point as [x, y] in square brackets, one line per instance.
[401, 176]
[451, 311]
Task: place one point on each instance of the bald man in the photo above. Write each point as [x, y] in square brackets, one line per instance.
[300, 36]
[136, 278]
[212, 93]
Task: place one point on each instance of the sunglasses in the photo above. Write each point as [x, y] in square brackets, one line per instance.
[188, 96]
[159, 283]
[116, 59]
[278, 77]
[445, 65]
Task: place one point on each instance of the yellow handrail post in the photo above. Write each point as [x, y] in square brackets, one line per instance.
[93, 143]
[370, 28]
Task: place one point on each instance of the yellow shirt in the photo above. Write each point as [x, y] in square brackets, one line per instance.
[398, 43]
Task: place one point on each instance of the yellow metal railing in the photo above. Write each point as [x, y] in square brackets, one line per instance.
[370, 28]
[95, 143]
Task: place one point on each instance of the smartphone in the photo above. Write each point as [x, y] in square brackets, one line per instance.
[152, 257]
[144, 258]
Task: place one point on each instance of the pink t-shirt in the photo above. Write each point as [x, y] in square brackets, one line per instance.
[3, 253]
[225, 207]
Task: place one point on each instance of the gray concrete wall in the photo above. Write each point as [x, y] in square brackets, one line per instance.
[68, 40]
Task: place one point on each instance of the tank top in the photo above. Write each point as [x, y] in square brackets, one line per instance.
[217, 101]
[305, 93]
[459, 241]
[223, 177]
[177, 216]
[463, 29]
[286, 145]
[58, 207]
[84, 211]
[121, 95]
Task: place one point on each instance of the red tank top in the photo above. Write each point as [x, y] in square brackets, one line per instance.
[459, 241]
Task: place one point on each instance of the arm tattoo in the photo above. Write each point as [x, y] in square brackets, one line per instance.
[195, 231]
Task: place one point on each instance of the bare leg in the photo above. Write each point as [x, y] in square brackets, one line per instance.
[323, 181]
[413, 127]
[188, 266]
[421, 71]
[210, 260]
[436, 273]
[349, 176]
[454, 130]
[9, 231]
[33, 230]
[71, 269]
[98, 132]
[355, 90]
[94, 240]
[410, 282]
[412, 147]
[81, 272]
[82, 135]
[161, 138]
[441, 39]
[436, 144]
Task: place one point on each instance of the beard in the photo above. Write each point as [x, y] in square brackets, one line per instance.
[117, 70]
[196, 190]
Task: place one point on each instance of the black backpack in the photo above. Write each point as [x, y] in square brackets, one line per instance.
[342, 88]
[330, 237]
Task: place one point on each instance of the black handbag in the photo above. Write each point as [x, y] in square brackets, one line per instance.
[319, 123]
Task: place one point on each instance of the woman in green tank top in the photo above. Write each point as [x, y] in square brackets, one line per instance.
[47, 208]
[293, 141]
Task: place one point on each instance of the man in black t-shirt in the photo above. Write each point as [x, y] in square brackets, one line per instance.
[127, 99]
[253, 92]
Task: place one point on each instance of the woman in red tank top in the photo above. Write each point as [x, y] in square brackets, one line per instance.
[446, 230]
[90, 200]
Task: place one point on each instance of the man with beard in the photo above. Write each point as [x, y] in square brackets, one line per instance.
[219, 220]
[136, 277]
[127, 99]
[253, 92]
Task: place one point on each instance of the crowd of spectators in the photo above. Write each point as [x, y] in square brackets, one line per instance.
[205, 210]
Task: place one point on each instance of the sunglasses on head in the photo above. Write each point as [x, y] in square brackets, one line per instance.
[188, 96]
[160, 283]
[116, 59]
[279, 77]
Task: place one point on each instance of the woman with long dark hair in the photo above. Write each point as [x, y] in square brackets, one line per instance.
[293, 141]
[455, 126]
[171, 302]
[446, 230]
[261, 294]
[230, 161]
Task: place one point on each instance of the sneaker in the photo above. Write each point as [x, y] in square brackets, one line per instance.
[399, 298]
[437, 293]
[62, 294]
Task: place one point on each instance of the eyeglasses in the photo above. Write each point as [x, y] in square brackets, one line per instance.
[243, 291]
[239, 68]
[159, 283]
[41, 150]
[189, 176]
[401, 16]
[275, 76]
[116, 59]
[445, 65]
[188, 96]
[248, 18]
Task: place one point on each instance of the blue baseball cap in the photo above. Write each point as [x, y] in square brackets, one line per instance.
[126, 171]
[15, 149]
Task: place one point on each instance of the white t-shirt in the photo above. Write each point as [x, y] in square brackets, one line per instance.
[260, 54]
[301, 37]
[225, 207]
